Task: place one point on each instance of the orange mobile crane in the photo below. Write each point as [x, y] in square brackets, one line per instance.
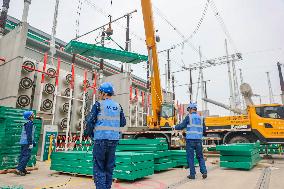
[163, 113]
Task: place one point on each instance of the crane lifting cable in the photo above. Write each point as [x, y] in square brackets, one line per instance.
[222, 24]
[186, 40]
[78, 14]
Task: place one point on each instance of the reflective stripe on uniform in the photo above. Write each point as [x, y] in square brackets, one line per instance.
[196, 125]
[110, 118]
[106, 128]
[194, 132]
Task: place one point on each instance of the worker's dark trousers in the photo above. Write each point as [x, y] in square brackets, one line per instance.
[104, 162]
[24, 157]
[191, 146]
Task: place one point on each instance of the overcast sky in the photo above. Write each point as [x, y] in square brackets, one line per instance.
[255, 26]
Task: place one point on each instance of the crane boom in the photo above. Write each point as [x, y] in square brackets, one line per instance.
[156, 91]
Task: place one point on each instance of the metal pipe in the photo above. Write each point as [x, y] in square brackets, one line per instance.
[281, 82]
[3, 16]
[52, 43]
[42, 81]
[56, 89]
[271, 99]
[83, 107]
[26, 10]
[235, 110]
[232, 99]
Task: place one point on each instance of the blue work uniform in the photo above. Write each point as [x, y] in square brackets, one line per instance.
[103, 124]
[27, 139]
[195, 128]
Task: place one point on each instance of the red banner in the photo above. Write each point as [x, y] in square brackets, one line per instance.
[142, 95]
[73, 77]
[45, 58]
[130, 93]
[58, 70]
[85, 80]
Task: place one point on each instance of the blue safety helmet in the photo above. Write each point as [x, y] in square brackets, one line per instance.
[27, 114]
[192, 106]
[107, 88]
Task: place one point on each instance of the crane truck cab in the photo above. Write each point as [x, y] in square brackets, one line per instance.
[262, 122]
[168, 115]
[267, 122]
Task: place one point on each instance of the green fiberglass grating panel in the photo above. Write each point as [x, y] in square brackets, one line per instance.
[92, 50]
[164, 166]
[134, 166]
[237, 165]
[178, 152]
[236, 147]
[140, 148]
[162, 160]
[239, 153]
[133, 175]
[143, 141]
[133, 156]
[252, 158]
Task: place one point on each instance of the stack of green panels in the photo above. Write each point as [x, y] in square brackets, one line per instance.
[158, 147]
[179, 156]
[78, 162]
[11, 123]
[270, 148]
[239, 156]
[11, 187]
[152, 145]
[92, 50]
[132, 166]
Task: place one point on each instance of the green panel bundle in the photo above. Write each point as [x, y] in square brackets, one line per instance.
[11, 187]
[131, 165]
[270, 149]
[179, 156]
[11, 123]
[239, 156]
[92, 50]
[77, 162]
[158, 147]
[152, 145]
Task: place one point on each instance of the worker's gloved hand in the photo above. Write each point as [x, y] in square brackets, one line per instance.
[31, 146]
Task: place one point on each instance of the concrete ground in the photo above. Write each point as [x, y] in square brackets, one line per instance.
[265, 175]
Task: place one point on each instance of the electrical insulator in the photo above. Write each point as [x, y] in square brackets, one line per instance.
[87, 84]
[78, 125]
[49, 88]
[65, 107]
[86, 96]
[66, 92]
[63, 123]
[47, 105]
[26, 83]
[68, 78]
[23, 101]
[80, 111]
[51, 73]
[29, 64]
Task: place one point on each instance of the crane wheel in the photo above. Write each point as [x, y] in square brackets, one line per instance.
[239, 139]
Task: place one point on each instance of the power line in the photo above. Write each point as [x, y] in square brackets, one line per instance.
[222, 24]
[102, 12]
[196, 29]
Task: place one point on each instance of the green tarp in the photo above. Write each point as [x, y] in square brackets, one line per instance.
[91, 50]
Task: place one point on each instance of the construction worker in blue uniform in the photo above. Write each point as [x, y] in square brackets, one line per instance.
[27, 143]
[103, 125]
[194, 131]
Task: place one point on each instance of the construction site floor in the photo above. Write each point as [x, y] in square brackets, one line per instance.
[267, 174]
